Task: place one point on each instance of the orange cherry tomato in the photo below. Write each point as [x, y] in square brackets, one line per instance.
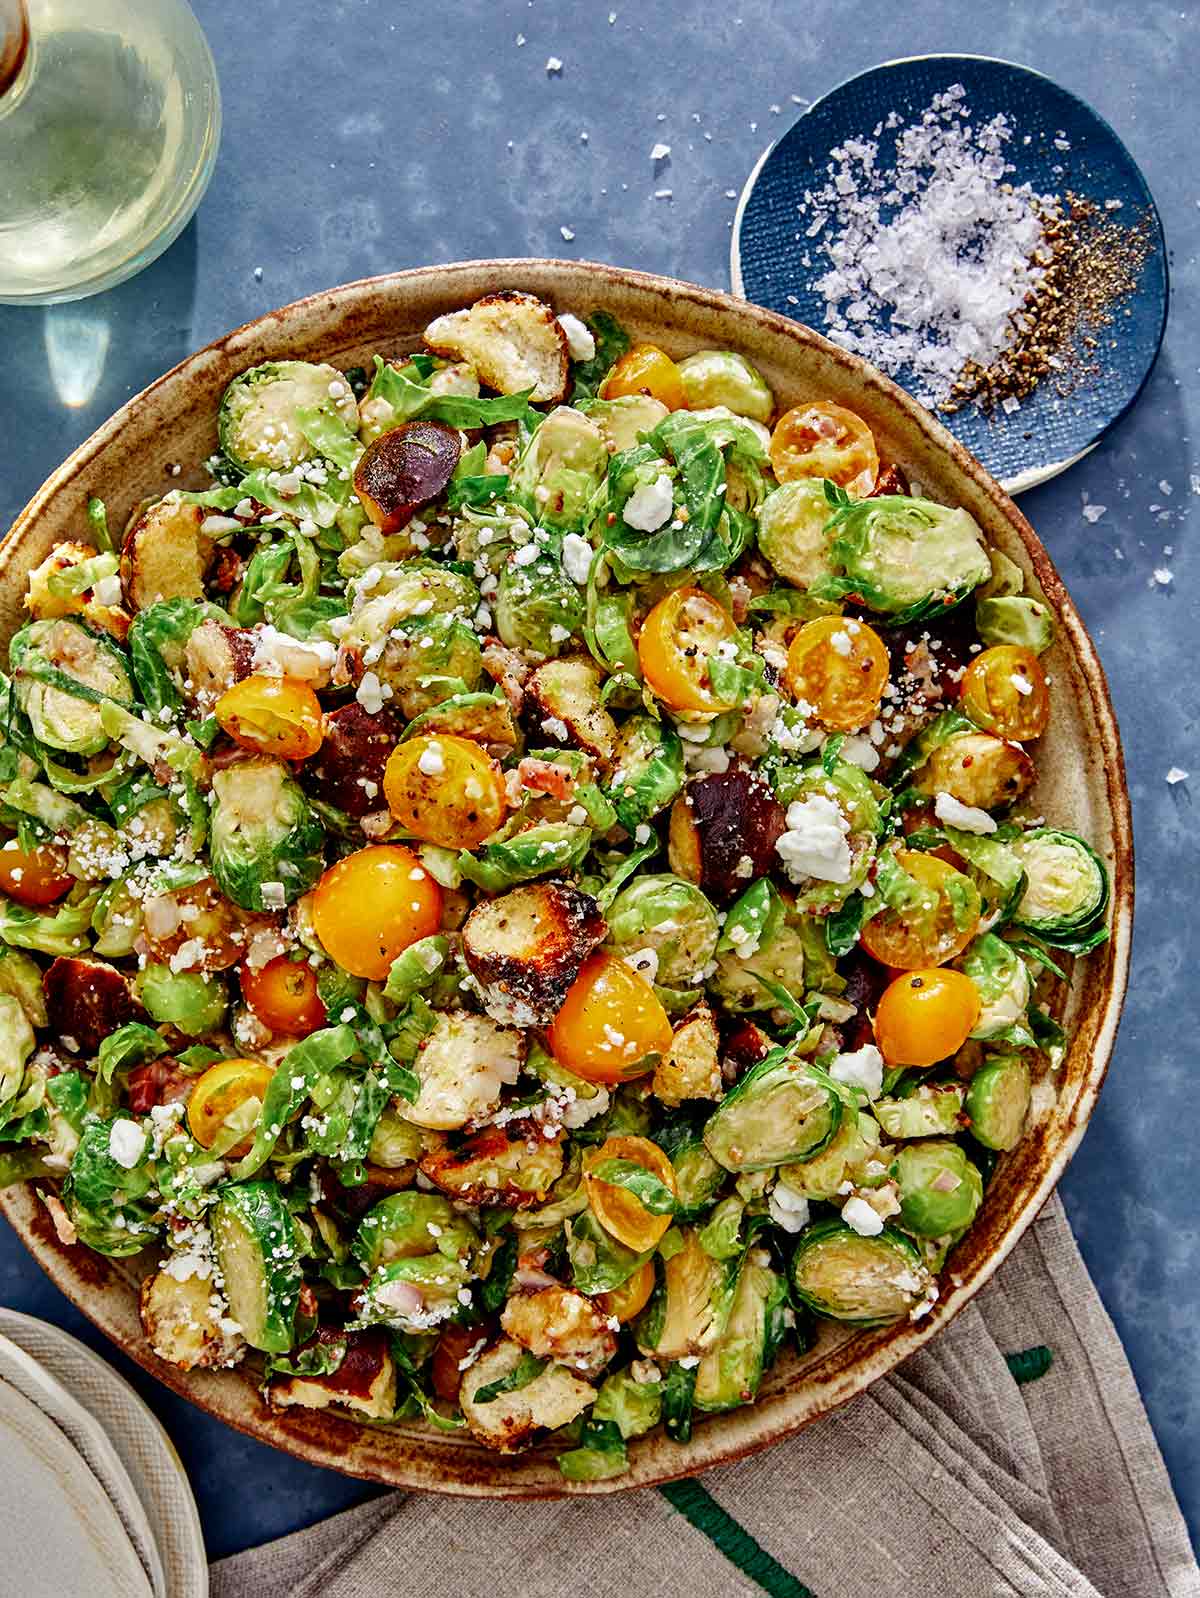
[278, 716]
[1004, 690]
[620, 1211]
[631, 1297]
[610, 1020]
[445, 790]
[34, 876]
[370, 906]
[936, 927]
[925, 1016]
[840, 668]
[822, 439]
[200, 916]
[645, 369]
[283, 995]
[678, 639]
[221, 1090]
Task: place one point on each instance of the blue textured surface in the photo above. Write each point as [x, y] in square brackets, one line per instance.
[381, 142]
[1048, 427]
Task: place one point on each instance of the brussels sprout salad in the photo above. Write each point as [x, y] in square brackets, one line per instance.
[516, 897]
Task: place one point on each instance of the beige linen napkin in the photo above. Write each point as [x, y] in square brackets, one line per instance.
[947, 1479]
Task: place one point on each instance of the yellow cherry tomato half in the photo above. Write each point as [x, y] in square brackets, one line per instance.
[278, 716]
[610, 1020]
[221, 1090]
[678, 639]
[34, 876]
[618, 1209]
[934, 929]
[283, 995]
[445, 790]
[840, 668]
[371, 905]
[645, 369]
[925, 1016]
[631, 1297]
[1004, 690]
[822, 439]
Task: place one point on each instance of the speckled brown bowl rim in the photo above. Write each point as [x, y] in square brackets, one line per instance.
[411, 1456]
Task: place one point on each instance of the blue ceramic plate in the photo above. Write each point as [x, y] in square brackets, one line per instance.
[1050, 431]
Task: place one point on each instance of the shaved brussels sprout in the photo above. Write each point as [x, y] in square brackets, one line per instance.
[698, 1177]
[647, 770]
[548, 848]
[867, 1281]
[537, 606]
[998, 1099]
[844, 1158]
[1015, 619]
[157, 641]
[486, 718]
[21, 979]
[792, 523]
[624, 421]
[262, 420]
[412, 1225]
[723, 377]
[670, 916]
[1002, 978]
[428, 658]
[691, 1304]
[730, 1372]
[634, 1407]
[106, 1198]
[391, 592]
[598, 1262]
[560, 469]
[414, 1294]
[783, 1109]
[929, 1110]
[905, 558]
[265, 841]
[1066, 889]
[194, 1002]
[940, 1189]
[63, 672]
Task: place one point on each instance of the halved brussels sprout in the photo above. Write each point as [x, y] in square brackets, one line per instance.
[730, 1372]
[998, 1099]
[537, 606]
[266, 844]
[779, 958]
[634, 1407]
[1015, 619]
[62, 673]
[428, 658]
[560, 469]
[391, 592]
[977, 769]
[698, 1177]
[866, 1281]
[791, 532]
[647, 770]
[930, 1110]
[1002, 978]
[1066, 889]
[670, 916]
[486, 718]
[412, 1225]
[194, 1002]
[723, 377]
[259, 422]
[623, 421]
[543, 850]
[783, 1109]
[158, 639]
[940, 1189]
[844, 1158]
[906, 558]
[691, 1304]
[258, 1250]
[413, 1295]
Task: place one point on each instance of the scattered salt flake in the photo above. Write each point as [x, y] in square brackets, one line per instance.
[663, 194]
[1093, 513]
[258, 273]
[1164, 487]
[1176, 774]
[660, 152]
[520, 39]
[1163, 576]
[553, 64]
[567, 233]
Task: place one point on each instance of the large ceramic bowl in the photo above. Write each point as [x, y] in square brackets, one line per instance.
[1081, 785]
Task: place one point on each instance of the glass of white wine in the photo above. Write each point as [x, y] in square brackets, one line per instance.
[110, 117]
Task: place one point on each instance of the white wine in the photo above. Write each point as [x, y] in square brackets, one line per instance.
[109, 123]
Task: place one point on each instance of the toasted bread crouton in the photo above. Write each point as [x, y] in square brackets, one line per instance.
[513, 341]
[508, 1422]
[43, 605]
[560, 1324]
[214, 658]
[165, 555]
[365, 1381]
[462, 1065]
[186, 1322]
[691, 1067]
[500, 1165]
[525, 947]
[567, 692]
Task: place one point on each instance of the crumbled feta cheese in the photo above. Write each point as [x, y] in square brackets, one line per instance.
[862, 1069]
[967, 818]
[859, 1216]
[576, 558]
[126, 1142]
[580, 343]
[370, 693]
[787, 1209]
[649, 506]
[555, 727]
[107, 591]
[815, 843]
[279, 655]
[841, 642]
[526, 555]
[859, 751]
[644, 962]
[578, 1112]
[431, 761]
[274, 896]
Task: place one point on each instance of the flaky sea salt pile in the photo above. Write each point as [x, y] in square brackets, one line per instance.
[931, 253]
